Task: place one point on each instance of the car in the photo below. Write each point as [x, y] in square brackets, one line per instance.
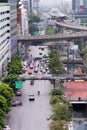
[36, 70]
[31, 82]
[29, 72]
[31, 97]
[40, 53]
[18, 93]
[23, 79]
[31, 66]
[15, 103]
[6, 127]
[24, 71]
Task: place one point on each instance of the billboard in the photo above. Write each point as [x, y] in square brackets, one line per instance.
[81, 10]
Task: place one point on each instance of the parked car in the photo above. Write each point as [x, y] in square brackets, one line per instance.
[18, 93]
[6, 127]
[31, 97]
[16, 103]
[31, 82]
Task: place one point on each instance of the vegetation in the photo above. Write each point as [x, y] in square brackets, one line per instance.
[6, 95]
[32, 24]
[7, 88]
[33, 28]
[15, 66]
[10, 80]
[50, 31]
[61, 110]
[55, 65]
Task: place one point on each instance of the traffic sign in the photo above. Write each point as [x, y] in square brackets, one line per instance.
[19, 84]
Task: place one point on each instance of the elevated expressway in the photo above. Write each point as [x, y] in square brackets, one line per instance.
[71, 26]
[43, 39]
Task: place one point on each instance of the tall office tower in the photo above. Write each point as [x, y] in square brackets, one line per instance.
[5, 46]
[79, 8]
[13, 25]
[22, 19]
[30, 6]
[35, 6]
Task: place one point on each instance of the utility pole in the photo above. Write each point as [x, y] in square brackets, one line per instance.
[67, 58]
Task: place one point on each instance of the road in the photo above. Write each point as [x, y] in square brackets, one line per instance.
[32, 115]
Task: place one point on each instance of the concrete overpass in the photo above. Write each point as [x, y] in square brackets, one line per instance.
[42, 39]
[71, 26]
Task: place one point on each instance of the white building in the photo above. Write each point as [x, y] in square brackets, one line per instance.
[24, 19]
[5, 46]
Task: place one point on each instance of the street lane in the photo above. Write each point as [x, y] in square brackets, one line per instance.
[32, 115]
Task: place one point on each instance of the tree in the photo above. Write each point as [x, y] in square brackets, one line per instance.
[61, 112]
[55, 64]
[11, 79]
[15, 66]
[33, 28]
[50, 31]
[3, 105]
[34, 19]
[56, 91]
[57, 125]
[7, 93]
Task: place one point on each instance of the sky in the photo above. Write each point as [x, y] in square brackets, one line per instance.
[51, 2]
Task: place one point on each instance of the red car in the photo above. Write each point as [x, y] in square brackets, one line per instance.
[30, 72]
[24, 71]
[31, 66]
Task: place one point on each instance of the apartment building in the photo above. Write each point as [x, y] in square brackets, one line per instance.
[79, 7]
[5, 46]
[13, 25]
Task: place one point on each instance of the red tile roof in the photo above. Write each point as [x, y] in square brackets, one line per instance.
[77, 89]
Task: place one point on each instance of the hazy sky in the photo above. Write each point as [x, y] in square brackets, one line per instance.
[51, 2]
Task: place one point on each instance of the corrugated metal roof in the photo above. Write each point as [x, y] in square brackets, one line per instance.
[76, 90]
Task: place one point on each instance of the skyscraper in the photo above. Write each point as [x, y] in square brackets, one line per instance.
[79, 7]
[13, 25]
[5, 46]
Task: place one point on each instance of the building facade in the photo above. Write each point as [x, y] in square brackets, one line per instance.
[79, 7]
[5, 46]
[13, 25]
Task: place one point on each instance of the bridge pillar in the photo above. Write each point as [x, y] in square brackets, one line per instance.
[57, 82]
[59, 29]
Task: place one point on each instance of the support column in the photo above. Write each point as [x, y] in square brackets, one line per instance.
[57, 82]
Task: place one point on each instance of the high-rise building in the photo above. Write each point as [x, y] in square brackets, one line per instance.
[35, 6]
[22, 19]
[30, 6]
[13, 25]
[5, 46]
[79, 7]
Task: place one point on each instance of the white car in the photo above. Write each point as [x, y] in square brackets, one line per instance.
[31, 97]
[6, 127]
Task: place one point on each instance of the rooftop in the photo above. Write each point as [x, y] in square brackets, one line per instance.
[76, 90]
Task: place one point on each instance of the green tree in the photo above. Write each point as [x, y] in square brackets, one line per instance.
[55, 65]
[61, 112]
[57, 91]
[11, 79]
[85, 56]
[33, 28]
[57, 125]
[3, 105]
[7, 93]
[15, 66]
[50, 31]
[34, 19]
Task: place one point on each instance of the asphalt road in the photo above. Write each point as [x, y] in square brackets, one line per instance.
[32, 115]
